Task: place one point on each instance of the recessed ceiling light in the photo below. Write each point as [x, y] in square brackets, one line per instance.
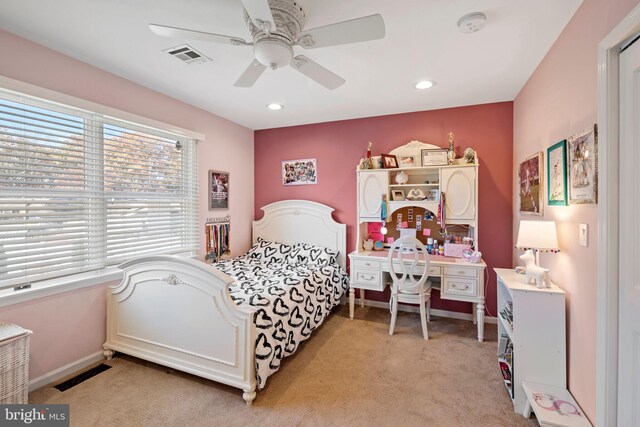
[275, 106]
[425, 84]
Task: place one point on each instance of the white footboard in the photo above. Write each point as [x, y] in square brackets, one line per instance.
[177, 312]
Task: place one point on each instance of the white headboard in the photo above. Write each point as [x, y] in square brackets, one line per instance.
[302, 221]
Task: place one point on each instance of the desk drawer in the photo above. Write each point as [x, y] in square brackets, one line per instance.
[365, 263]
[435, 271]
[367, 279]
[459, 286]
[461, 271]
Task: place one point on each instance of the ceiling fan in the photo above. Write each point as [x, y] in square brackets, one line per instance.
[277, 26]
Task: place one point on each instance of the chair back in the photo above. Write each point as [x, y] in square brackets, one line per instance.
[404, 256]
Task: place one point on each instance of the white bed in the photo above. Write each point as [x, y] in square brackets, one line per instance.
[177, 312]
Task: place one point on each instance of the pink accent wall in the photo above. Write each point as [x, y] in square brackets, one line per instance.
[340, 145]
[77, 319]
[559, 100]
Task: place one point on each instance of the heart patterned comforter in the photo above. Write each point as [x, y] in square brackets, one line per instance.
[291, 300]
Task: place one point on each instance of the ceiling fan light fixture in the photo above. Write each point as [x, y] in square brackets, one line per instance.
[273, 53]
[275, 106]
[424, 84]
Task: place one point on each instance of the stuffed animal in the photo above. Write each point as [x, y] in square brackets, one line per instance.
[533, 272]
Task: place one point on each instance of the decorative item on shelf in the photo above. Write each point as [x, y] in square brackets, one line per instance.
[537, 236]
[470, 155]
[367, 245]
[378, 245]
[376, 162]
[398, 195]
[365, 164]
[402, 177]
[389, 161]
[432, 195]
[300, 172]
[534, 272]
[583, 166]
[451, 154]
[472, 256]
[415, 194]
[530, 185]
[369, 150]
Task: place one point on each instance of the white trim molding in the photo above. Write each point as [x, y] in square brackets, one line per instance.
[59, 285]
[608, 191]
[65, 370]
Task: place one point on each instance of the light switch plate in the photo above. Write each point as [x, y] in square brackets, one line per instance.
[584, 235]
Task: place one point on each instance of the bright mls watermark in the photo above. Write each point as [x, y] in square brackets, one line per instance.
[34, 415]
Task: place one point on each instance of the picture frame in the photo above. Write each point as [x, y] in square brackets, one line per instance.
[530, 185]
[218, 190]
[434, 157]
[407, 161]
[397, 195]
[582, 166]
[557, 174]
[300, 172]
[389, 161]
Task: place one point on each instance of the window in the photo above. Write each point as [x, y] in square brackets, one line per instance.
[80, 191]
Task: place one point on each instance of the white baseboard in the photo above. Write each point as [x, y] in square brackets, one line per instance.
[434, 311]
[64, 371]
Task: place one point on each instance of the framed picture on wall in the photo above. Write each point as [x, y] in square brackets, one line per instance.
[557, 174]
[218, 190]
[530, 187]
[582, 166]
[300, 172]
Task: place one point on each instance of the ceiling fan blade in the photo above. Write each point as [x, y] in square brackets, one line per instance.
[260, 14]
[251, 74]
[317, 72]
[352, 31]
[181, 33]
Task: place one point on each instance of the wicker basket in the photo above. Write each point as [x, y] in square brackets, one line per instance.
[14, 363]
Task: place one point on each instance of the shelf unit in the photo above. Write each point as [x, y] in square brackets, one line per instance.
[533, 320]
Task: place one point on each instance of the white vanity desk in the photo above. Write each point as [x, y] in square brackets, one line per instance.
[461, 280]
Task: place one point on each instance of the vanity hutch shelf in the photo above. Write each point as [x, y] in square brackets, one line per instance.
[460, 280]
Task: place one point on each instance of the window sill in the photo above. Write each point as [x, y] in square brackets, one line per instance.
[57, 286]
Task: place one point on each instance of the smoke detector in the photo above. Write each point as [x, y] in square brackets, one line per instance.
[472, 22]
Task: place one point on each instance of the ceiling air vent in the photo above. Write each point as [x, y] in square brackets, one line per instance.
[187, 54]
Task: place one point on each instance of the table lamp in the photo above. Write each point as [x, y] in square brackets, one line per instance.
[538, 236]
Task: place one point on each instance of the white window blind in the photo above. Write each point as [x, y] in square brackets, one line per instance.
[149, 192]
[79, 191]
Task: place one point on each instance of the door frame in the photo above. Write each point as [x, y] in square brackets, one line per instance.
[608, 208]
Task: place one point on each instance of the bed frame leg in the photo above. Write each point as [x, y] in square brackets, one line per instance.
[108, 353]
[249, 395]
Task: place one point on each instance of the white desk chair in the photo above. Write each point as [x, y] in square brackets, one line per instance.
[403, 258]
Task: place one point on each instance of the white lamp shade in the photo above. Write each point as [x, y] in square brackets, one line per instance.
[538, 235]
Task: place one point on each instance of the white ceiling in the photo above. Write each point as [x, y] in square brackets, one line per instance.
[422, 42]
